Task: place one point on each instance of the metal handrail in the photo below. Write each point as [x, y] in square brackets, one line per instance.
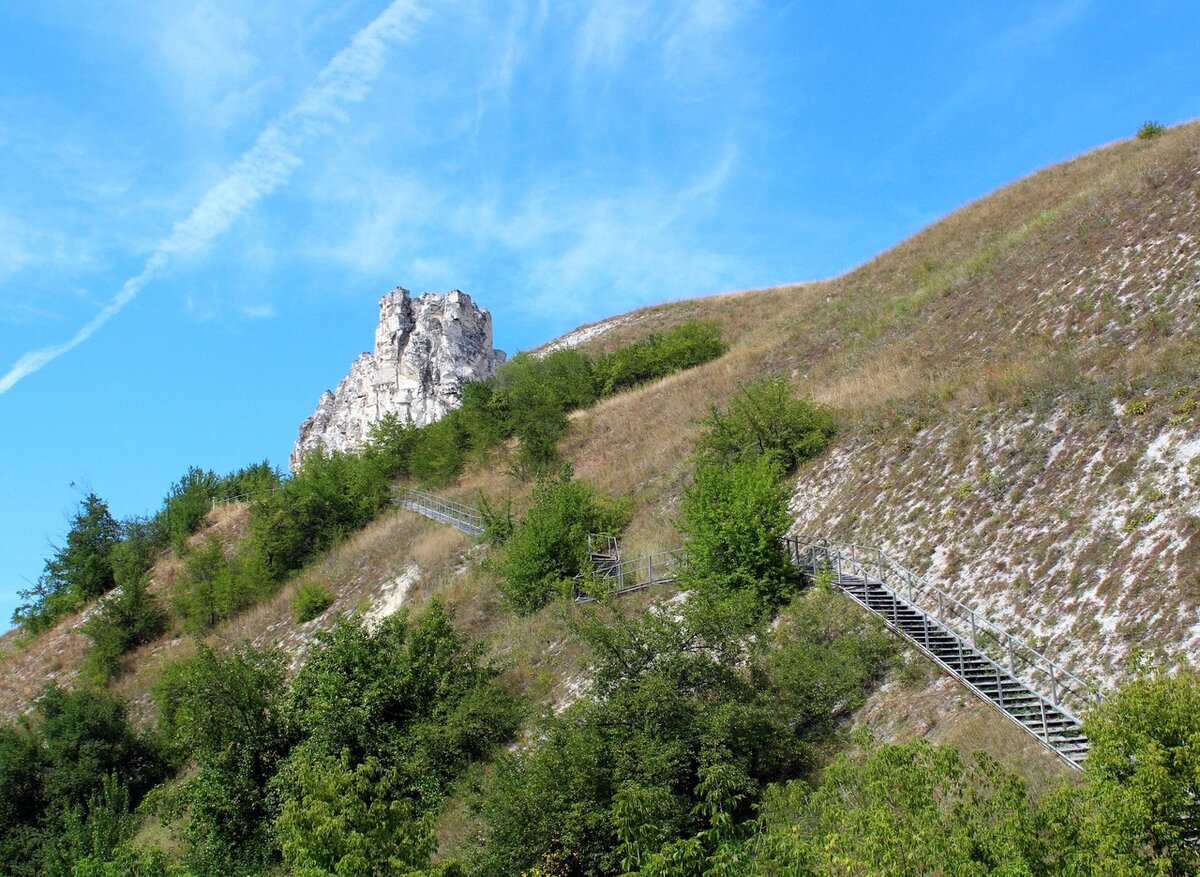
[447, 510]
[633, 574]
[868, 561]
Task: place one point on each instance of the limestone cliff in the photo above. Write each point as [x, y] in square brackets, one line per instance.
[426, 349]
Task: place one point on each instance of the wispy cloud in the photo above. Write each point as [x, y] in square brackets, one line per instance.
[267, 165]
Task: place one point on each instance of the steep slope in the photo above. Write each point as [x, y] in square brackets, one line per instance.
[1016, 387]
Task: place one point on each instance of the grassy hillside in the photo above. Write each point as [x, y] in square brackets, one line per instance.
[1016, 388]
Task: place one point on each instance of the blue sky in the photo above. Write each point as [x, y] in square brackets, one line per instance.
[202, 201]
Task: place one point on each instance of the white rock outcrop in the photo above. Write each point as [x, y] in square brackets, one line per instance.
[426, 349]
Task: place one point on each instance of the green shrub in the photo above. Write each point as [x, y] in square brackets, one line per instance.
[211, 589]
[224, 713]
[550, 545]
[735, 517]
[764, 419]
[126, 619]
[311, 600]
[330, 497]
[685, 346]
[1150, 130]
[351, 821]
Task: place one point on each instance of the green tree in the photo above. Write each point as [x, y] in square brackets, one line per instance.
[351, 821]
[1141, 804]
[550, 545]
[903, 811]
[735, 516]
[127, 618]
[224, 712]
[413, 693]
[763, 419]
[78, 572]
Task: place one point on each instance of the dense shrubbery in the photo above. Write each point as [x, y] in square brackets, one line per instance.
[685, 346]
[70, 776]
[340, 770]
[690, 714]
[735, 517]
[549, 547]
[764, 419]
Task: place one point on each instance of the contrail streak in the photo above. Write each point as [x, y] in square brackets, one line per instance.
[262, 169]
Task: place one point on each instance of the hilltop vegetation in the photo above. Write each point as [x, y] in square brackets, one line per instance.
[1011, 408]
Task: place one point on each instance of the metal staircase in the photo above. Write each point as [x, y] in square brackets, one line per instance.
[447, 511]
[1028, 688]
[1031, 690]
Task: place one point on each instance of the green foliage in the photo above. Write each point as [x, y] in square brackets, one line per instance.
[910, 809]
[765, 420]
[441, 450]
[413, 694]
[391, 442]
[85, 737]
[330, 497]
[1150, 131]
[193, 495]
[224, 713]
[351, 821]
[497, 521]
[550, 545]
[211, 589]
[126, 619]
[687, 722]
[78, 572]
[1143, 773]
[685, 346]
[310, 600]
[91, 833]
[735, 516]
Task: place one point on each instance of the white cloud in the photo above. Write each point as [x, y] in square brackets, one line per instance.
[258, 312]
[262, 169]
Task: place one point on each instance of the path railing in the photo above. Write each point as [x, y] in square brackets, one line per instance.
[447, 511]
[629, 575]
[1063, 688]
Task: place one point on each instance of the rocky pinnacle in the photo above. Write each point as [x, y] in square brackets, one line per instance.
[426, 349]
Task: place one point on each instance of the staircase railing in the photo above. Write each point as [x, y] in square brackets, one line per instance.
[456, 514]
[1064, 689]
[629, 575]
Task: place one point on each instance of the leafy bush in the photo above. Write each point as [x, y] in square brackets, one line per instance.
[764, 419]
[942, 812]
[550, 545]
[413, 693]
[351, 821]
[735, 516]
[211, 588]
[330, 497]
[685, 346]
[686, 724]
[1150, 131]
[310, 600]
[126, 619]
[224, 712]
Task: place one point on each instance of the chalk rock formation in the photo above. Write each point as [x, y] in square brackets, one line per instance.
[426, 349]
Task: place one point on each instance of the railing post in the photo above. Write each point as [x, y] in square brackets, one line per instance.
[941, 609]
[974, 638]
[649, 567]
[1053, 684]
[1012, 669]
